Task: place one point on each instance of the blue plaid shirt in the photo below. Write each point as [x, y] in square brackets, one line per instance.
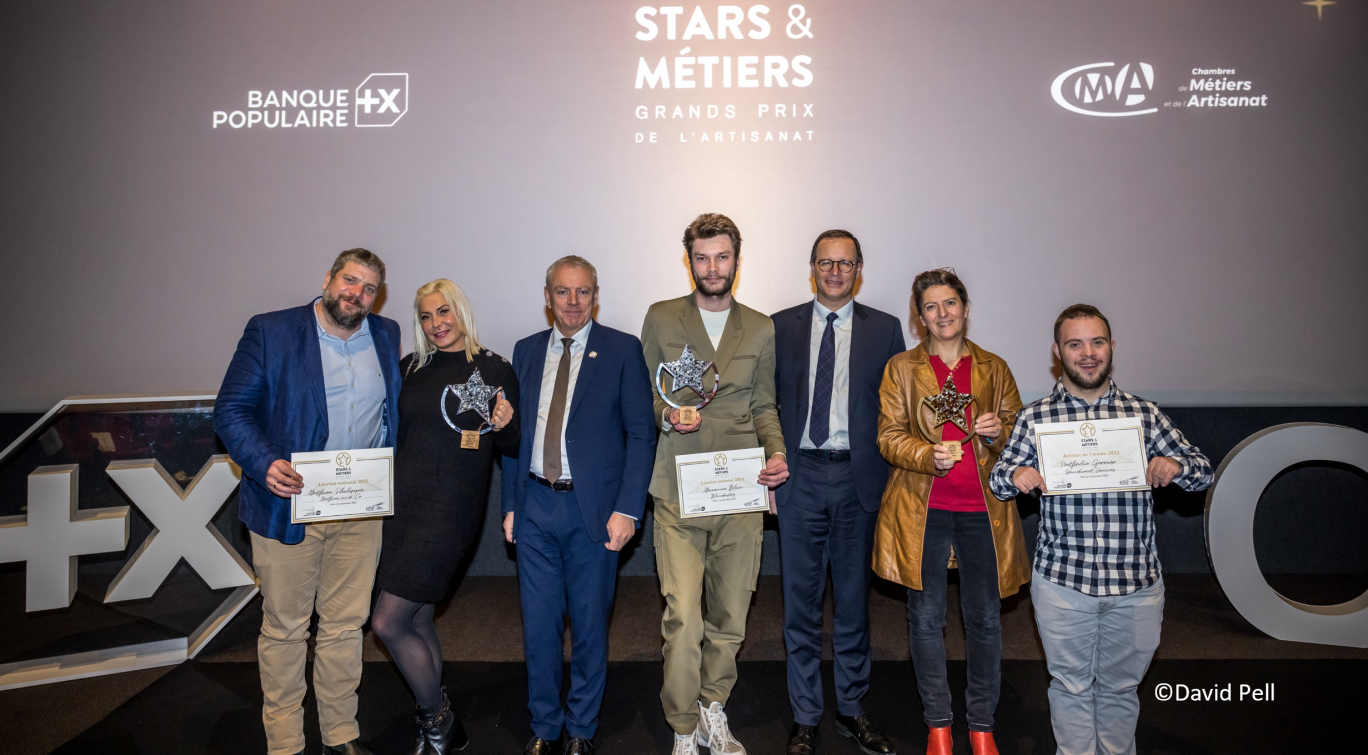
[1098, 543]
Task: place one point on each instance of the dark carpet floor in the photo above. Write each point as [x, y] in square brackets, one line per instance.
[1202, 634]
[215, 708]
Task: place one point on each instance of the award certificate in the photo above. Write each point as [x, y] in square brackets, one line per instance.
[343, 485]
[721, 482]
[1092, 456]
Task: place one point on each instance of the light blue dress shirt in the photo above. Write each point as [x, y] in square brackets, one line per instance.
[839, 423]
[354, 387]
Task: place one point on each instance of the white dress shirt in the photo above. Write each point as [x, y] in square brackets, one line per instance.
[554, 349]
[838, 439]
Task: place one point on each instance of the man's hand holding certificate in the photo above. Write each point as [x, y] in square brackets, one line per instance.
[721, 482]
[1092, 456]
[343, 485]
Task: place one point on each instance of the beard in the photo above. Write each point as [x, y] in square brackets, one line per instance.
[1077, 378]
[344, 319]
[715, 294]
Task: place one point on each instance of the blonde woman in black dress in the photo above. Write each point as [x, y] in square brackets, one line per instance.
[440, 490]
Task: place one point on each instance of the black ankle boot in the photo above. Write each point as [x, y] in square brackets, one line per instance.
[440, 732]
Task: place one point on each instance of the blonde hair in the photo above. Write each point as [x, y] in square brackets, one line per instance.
[422, 348]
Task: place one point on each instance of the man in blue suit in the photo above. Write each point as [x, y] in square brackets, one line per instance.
[830, 355]
[574, 496]
[321, 377]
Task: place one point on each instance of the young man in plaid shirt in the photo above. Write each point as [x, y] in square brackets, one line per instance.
[1098, 594]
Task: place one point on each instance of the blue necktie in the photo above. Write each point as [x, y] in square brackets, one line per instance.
[819, 424]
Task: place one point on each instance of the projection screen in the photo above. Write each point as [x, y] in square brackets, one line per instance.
[1196, 169]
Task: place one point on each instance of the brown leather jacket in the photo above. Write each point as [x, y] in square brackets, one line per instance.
[902, 519]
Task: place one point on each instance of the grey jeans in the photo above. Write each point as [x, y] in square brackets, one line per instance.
[1098, 649]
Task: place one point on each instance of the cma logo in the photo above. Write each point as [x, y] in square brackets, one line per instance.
[381, 100]
[1102, 89]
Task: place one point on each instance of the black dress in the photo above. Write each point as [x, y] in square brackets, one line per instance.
[440, 489]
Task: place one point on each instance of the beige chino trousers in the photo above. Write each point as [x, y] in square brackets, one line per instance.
[715, 561]
[331, 571]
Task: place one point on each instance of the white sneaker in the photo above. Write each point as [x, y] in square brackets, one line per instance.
[684, 745]
[712, 731]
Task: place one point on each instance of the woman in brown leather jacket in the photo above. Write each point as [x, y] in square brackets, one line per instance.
[937, 511]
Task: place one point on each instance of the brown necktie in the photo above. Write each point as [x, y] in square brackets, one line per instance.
[551, 456]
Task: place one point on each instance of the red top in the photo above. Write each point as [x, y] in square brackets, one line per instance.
[960, 488]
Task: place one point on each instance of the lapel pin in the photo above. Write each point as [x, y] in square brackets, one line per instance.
[593, 354]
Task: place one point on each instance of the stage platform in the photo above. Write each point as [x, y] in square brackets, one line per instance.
[212, 705]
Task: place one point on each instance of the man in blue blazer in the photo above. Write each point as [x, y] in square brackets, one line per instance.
[830, 355]
[321, 377]
[574, 496]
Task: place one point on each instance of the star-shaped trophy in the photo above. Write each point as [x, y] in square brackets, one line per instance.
[472, 396]
[687, 371]
[947, 406]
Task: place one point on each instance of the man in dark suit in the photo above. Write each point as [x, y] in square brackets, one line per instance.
[830, 355]
[574, 496]
[321, 377]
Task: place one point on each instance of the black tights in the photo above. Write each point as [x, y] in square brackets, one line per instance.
[407, 630]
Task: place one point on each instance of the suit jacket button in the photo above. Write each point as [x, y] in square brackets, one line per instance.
[997, 522]
[983, 462]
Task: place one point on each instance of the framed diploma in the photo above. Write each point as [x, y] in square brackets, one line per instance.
[343, 485]
[721, 482]
[1092, 456]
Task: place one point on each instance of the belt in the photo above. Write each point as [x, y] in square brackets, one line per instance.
[560, 486]
[817, 453]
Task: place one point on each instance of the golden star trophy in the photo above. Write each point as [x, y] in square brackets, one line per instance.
[947, 406]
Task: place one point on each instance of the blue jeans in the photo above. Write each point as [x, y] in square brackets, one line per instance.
[1098, 650]
[971, 534]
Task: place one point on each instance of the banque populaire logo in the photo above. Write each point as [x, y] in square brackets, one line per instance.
[379, 101]
[1106, 89]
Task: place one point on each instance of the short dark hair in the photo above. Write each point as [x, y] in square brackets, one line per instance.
[363, 257]
[942, 276]
[711, 224]
[1080, 312]
[837, 233]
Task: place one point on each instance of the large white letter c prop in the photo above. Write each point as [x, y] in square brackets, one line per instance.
[1240, 481]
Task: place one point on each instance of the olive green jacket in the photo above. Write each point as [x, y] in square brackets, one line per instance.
[743, 414]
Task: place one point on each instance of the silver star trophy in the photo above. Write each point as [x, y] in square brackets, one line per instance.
[687, 371]
[472, 396]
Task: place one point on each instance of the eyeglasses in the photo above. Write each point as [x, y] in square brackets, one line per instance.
[845, 265]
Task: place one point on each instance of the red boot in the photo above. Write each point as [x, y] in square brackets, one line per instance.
[981, 743]
[938, 741]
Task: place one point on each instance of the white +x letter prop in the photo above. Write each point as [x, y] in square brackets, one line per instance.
[54, 532]
[184, 527]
